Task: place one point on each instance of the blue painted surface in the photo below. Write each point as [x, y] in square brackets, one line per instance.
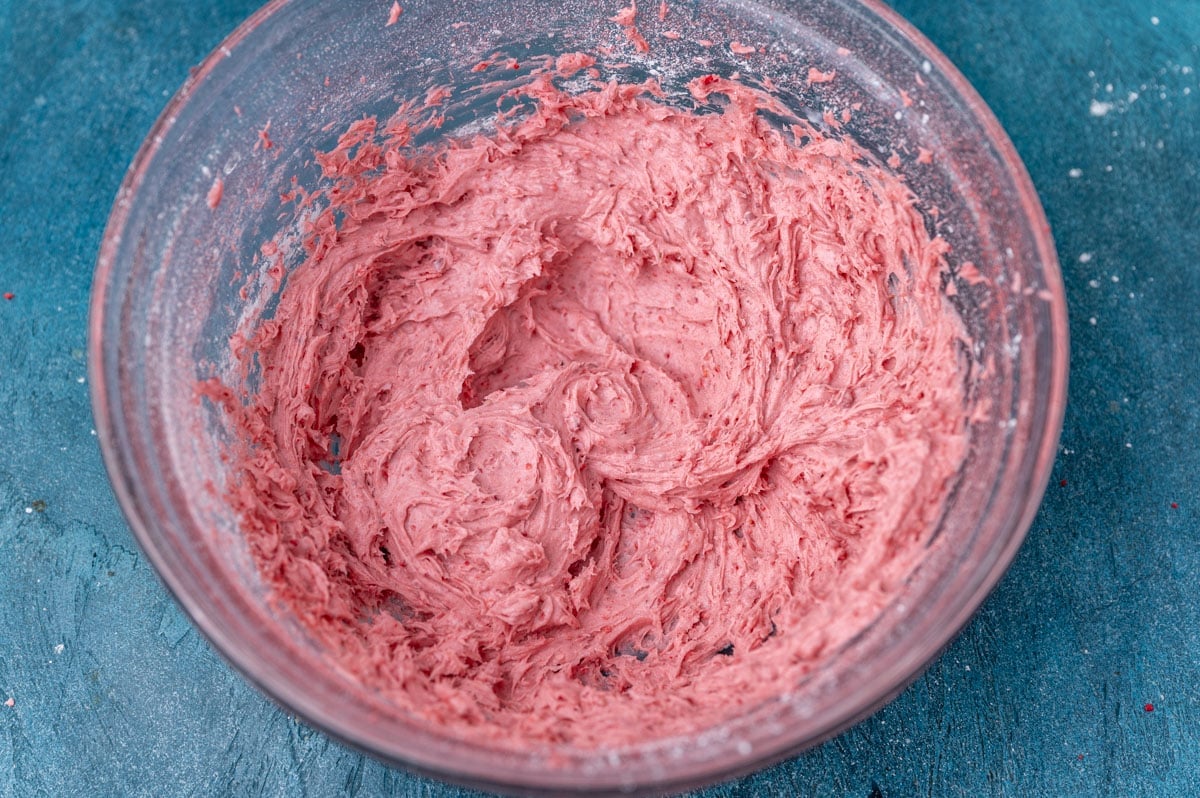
[1043, 695]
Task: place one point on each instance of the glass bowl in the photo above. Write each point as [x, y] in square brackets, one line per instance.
[176, 277]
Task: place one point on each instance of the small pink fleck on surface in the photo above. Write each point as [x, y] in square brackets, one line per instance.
[924, 155]
[843, 51]
[1149, 707]
[394, 15]
[662, 10]
[482, 65]
[671, 34]
[10, 702]
[741, 49]
[1174, 505]
[817, 76]
[264, 137]
[9, 295]
[904, 98]
[215, 193]
[894, 161]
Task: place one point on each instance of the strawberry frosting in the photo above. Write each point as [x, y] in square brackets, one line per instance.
[605, 426]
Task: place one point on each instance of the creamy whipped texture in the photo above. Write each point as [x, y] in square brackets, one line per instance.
[603, 427]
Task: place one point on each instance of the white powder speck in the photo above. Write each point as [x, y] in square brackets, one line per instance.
[1108, 87]
[1133, 95]
[1108, 167]
[1093, 283]
[1075, 173]
[1132, 295]
[93, 432]
[1116, 279]
[1187, 70]
[1085, 257]
[28, 511]
[81, 380]
[926, 67]
[1153, 20]
[1128, 445]
[1187, 90]
[1092, 321]
[1091, 73]
[1098, 108]
[898, 115]
[59, 648]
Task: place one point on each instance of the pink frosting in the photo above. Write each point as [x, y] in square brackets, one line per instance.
[607, 426]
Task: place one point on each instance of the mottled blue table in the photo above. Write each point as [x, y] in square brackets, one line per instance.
[1078, 677]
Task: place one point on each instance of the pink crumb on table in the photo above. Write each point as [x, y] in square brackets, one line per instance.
[394, 15]
[904, 98]
[481, 66]
[264, 137]
[662, 10]
[924, 156]
[10, 702]
[671, 34]
[9, 295]
[843, 51]
[817, 76]
[894, 161]
[1148, 707]
[740, 49]
[215, 193]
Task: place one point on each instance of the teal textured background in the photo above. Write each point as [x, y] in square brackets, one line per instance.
[1045, 692]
